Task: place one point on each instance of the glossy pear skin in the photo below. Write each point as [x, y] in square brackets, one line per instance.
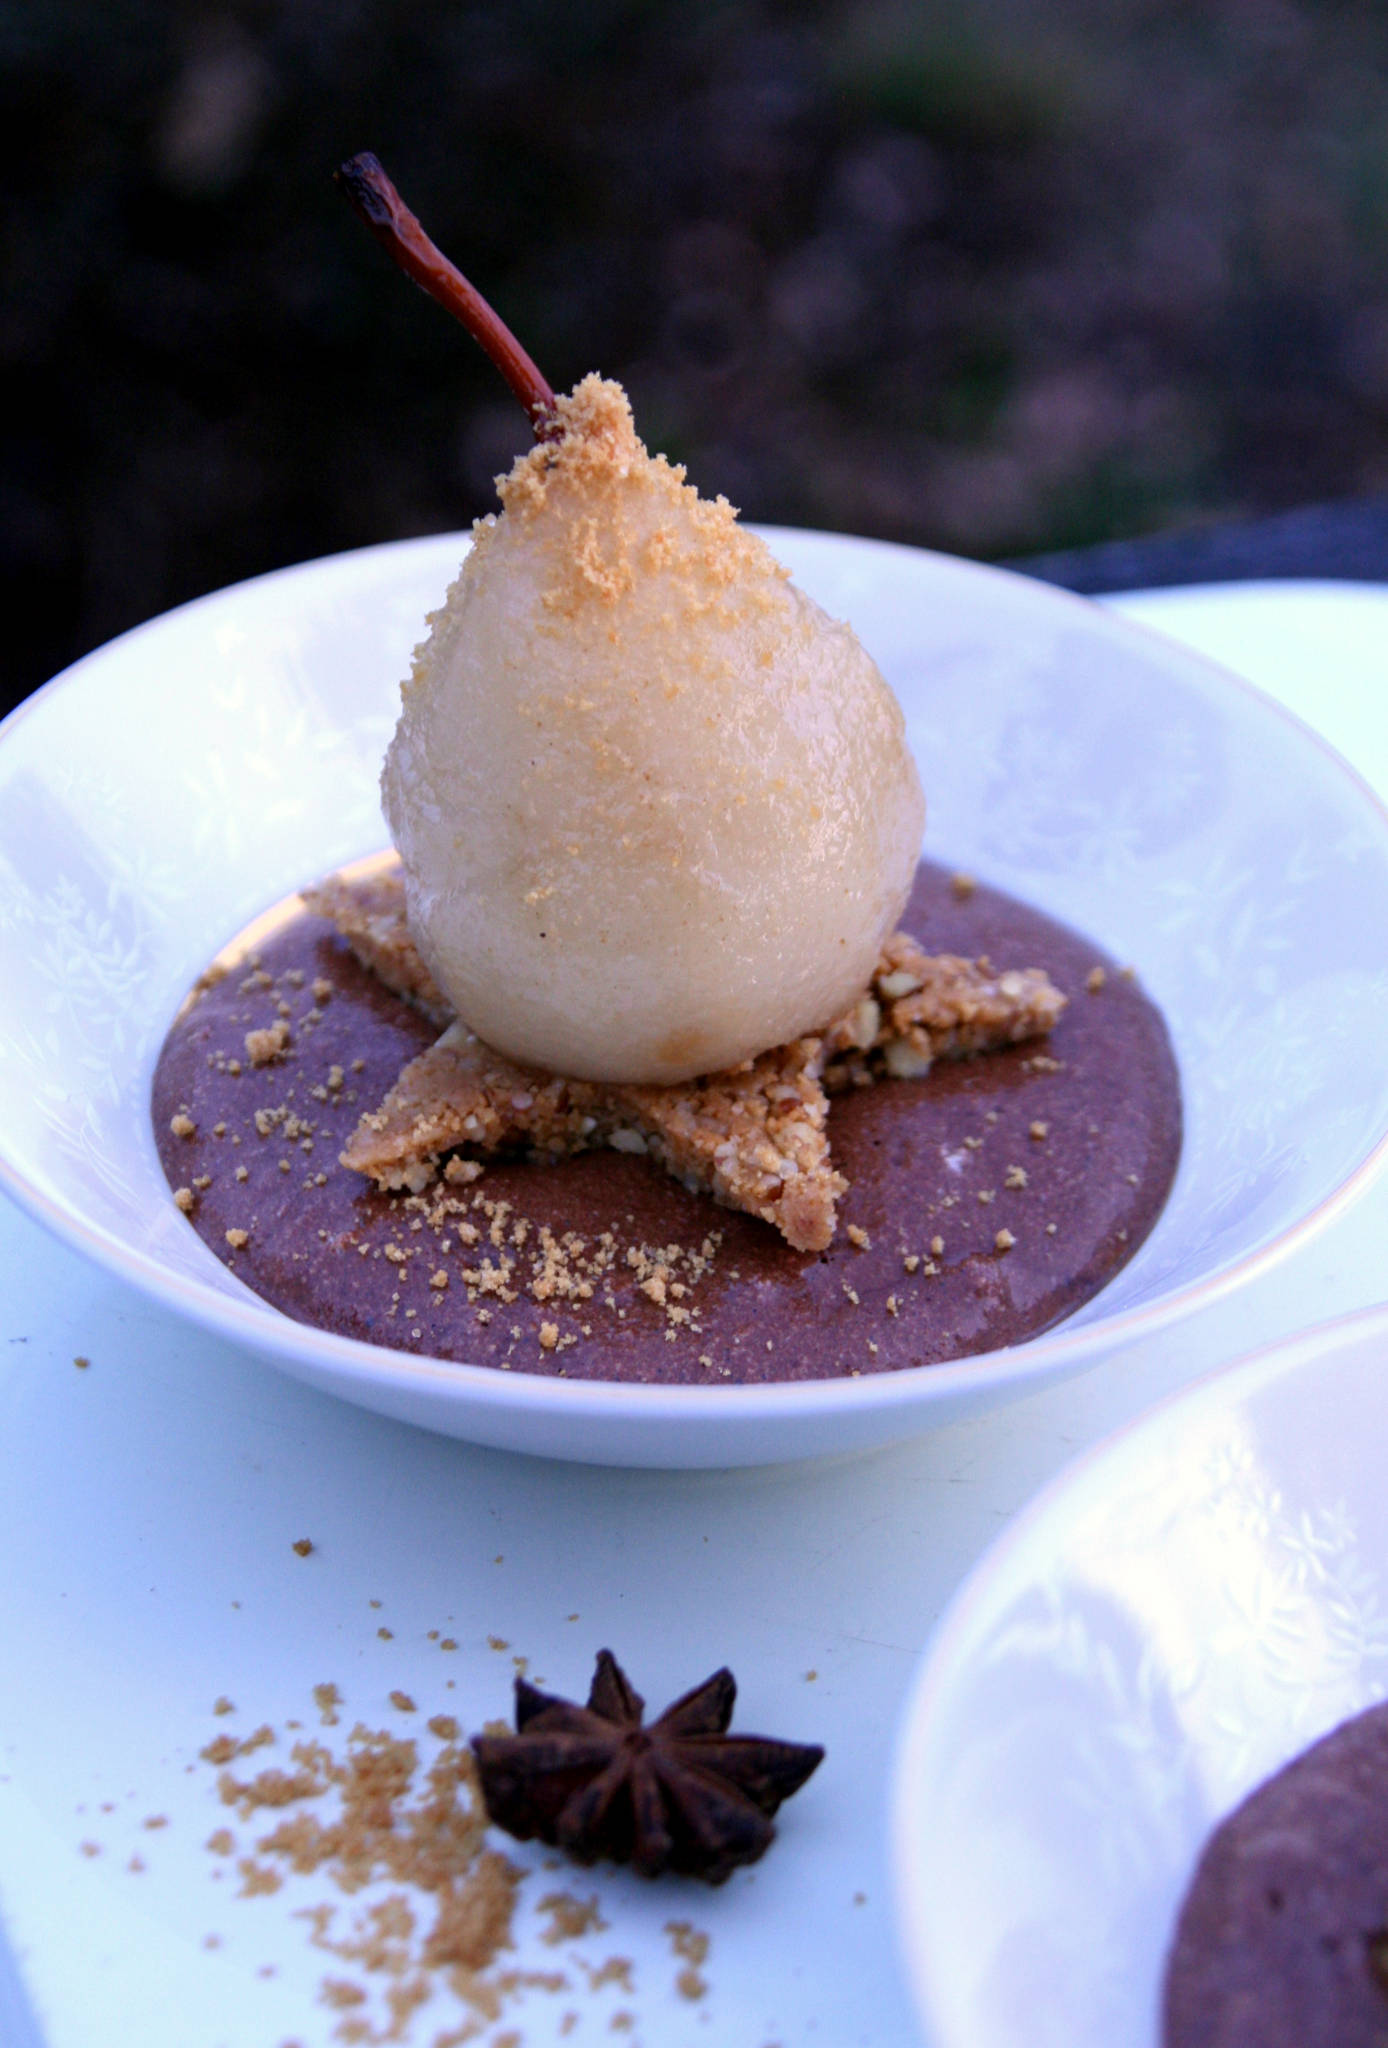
[655, 809]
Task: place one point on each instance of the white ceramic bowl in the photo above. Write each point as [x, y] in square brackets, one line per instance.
[163, 791]
[1179, 1614]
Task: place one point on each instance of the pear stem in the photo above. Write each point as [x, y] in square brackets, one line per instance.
[375, 198]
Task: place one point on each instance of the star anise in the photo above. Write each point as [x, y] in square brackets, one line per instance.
[681, 1794]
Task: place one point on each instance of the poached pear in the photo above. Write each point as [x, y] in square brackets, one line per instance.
[655, 809]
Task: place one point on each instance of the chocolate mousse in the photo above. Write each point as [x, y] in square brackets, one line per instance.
[1282, 1940]
[976, 1205]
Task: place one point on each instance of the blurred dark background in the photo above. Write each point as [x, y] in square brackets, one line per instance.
[999, 276]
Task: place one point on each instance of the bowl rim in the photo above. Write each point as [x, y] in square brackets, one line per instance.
[247, 1319]
[1063, 1496]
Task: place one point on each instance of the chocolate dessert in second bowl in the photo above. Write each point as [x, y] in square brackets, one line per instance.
[1282, 1940]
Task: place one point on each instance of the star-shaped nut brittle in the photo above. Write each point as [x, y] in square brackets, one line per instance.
[755, 1137]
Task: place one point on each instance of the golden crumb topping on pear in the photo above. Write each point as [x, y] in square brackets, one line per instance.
[619, 534]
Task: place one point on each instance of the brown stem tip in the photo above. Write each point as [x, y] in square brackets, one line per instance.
[375, 198]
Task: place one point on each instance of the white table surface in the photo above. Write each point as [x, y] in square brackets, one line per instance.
[149, 1502]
